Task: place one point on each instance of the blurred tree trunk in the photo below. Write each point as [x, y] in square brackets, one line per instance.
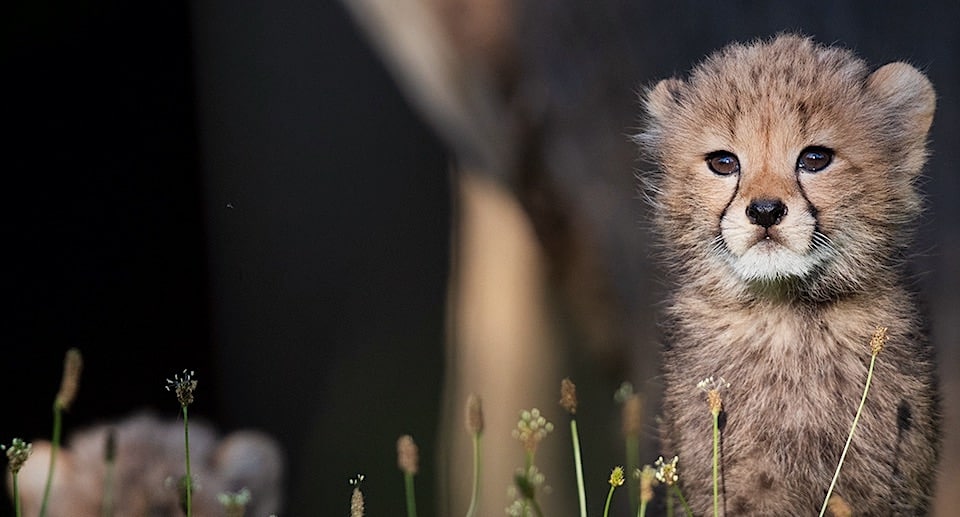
[550, 275]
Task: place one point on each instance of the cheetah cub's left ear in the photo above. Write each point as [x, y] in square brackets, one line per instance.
[908, 97]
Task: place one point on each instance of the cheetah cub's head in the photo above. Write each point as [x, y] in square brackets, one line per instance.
[787, 161]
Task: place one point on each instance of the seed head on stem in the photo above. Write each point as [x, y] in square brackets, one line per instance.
[568, 401]
[712, 388]
[568, 396]
[70, 382]
[878, 340]
[474, 419]
[17, 453]
[648, 479]
[356, 503]
[667, 472]
[408, 455]
[531, 429]
[234, 504]
[631, 416]
[356, 499]
[184, 390]
[838, 507]
[616, 477]
[183, 387]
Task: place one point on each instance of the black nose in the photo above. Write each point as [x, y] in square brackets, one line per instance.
[766, 212]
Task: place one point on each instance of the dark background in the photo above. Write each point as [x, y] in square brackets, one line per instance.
[287, 240]
[237, 188]
[102, 214]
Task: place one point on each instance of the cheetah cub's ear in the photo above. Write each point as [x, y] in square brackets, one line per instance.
[908, 99]
[663, 98]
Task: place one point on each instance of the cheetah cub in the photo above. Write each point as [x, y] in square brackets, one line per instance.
[785, 201]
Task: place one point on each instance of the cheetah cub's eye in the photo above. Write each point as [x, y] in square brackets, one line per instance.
[814, 159]
[723, 163]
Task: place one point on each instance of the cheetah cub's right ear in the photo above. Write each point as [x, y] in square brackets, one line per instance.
[908, 99]
[664, 97]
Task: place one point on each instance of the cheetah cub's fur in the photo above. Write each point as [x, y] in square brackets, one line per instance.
[785, 200]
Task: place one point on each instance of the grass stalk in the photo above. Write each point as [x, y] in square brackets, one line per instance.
[632, 446]
[16, 497]
[17, 453]
[184, 388]
[853, 428]
[529, 493]
[617, 478]
[606, 506]
[536, 508]
[408, 460]
[189, 480]
[54, 447]
[683, 502]
[568, 401]
[72, 365]
[526, 485]
[716, 464]
[631, 416]
[410, 495]
[646, 478]
[581, 492]
[475, 492]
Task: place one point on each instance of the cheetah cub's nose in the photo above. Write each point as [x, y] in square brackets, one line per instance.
[766, 212]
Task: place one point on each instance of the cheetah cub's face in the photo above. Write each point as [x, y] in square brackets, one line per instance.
[788, 161]
[769, 228]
